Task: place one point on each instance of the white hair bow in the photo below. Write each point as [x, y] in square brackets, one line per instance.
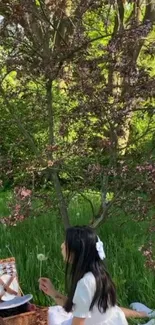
[100, 249]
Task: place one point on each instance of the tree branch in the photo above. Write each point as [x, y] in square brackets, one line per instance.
[90, 202]
[56, 29]
[19, 124]
[149, 11]
[120, 14]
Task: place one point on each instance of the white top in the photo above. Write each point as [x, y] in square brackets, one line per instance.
[82, 300]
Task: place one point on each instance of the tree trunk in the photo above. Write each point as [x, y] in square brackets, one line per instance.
[54, 174]
[61, 200]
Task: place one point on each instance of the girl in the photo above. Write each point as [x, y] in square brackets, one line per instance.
[91, 293]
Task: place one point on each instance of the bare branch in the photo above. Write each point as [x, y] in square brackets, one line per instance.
[20, 125]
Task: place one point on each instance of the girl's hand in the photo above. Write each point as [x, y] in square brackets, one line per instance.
[47, 287]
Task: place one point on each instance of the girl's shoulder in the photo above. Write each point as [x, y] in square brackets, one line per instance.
[89, 276]
[88, 280]
[83, 296]
[85, 290]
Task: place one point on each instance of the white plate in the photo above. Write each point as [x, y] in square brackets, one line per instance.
[14, 286]
[16, 302]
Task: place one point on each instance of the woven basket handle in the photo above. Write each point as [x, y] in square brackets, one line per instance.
[6, 287]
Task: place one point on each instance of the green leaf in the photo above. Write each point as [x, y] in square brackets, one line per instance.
[37, 3]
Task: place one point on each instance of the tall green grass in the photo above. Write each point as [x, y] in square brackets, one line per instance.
[45, 234]
[4, 199]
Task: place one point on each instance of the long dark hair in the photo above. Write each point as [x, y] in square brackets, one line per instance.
[82, 257]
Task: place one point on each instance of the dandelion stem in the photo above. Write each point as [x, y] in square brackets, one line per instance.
[40, 268]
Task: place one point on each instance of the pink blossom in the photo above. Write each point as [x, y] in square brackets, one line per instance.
[21, 217]
[50, 163]
[17, 208]
[139, 168]
[26, 193]
[146, 253]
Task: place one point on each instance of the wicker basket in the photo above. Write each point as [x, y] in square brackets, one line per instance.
[38, 317]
